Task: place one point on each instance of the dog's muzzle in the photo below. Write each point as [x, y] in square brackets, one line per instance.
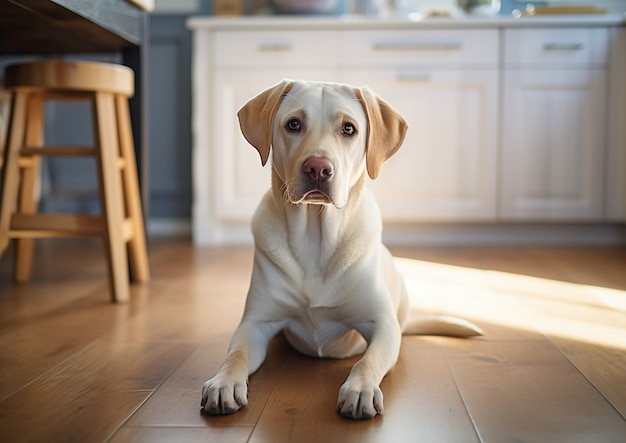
[317, 181]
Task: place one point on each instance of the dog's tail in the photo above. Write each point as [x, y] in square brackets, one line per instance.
[442, 325]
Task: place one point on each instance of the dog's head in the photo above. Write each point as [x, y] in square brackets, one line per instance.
[323, 136]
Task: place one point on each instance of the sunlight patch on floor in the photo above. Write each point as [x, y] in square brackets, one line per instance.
[537, 305]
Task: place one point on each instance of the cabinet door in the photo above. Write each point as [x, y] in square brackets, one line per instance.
[553, 145]
[238, 180]
[446, 169]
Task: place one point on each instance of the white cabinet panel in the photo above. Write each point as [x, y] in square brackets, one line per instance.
[276, 48]
[238, 179]
[506, 124]
[433, 47]
[553, 145]
[556, 47]
[446, 169]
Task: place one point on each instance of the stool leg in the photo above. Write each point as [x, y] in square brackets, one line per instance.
[28, 204]
[111, 200]
[28, 189]
[9, 180]
[137, 244]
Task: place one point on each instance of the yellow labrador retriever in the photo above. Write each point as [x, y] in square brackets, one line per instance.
[321, 273]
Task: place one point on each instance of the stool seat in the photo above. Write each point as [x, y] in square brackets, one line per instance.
[107, 88]
[65, 77]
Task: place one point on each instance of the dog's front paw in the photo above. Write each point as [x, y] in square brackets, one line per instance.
[360, 400]
[223, 395]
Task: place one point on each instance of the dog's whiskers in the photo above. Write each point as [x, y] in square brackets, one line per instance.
[286, 190]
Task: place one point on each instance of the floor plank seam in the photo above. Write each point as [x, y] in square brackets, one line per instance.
[130, 416]
[123, 423]
[584, 376]
[442, 348]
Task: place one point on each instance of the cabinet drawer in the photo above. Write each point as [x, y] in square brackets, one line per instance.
[569, 46]
[275, 48]
[411, 47]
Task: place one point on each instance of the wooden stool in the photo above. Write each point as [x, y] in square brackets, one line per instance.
[107, 87]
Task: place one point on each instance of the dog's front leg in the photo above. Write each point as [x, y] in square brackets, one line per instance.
[360, 396]
[227, 392]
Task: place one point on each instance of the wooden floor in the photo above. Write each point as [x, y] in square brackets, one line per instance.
[551, 367]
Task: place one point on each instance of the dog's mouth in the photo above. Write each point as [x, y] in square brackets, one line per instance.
[316, 197]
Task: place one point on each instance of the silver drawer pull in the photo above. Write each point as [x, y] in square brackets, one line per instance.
[274, 47]
[416, 46]
[421, 77]
[562, 46]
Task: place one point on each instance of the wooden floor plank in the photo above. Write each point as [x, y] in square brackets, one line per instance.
[596, 266]
[232, 434]
[528, 391]
[127, 373]
[603, 366]
[75, 416]
[23, 302]
[34, 345]
[592, 336]
[422, 403]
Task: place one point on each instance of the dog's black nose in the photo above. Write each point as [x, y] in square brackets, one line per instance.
[318, 169]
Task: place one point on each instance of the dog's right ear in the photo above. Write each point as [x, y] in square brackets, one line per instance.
[257, 117]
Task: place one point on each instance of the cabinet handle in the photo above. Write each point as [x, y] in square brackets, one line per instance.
[421, 77]
[274, 47]
[562, 46]
[416, 46]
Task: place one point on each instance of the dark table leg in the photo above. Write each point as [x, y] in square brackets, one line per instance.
[136, 58]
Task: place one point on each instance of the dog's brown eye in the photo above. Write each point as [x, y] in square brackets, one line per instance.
[293, 124]
[348, 129]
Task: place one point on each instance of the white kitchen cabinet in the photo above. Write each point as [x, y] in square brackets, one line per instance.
[446, 169]
[554, 125]
[553, 145]
[509, 120]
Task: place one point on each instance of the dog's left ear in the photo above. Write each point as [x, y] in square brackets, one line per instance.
[257, 117]
[386, 130]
